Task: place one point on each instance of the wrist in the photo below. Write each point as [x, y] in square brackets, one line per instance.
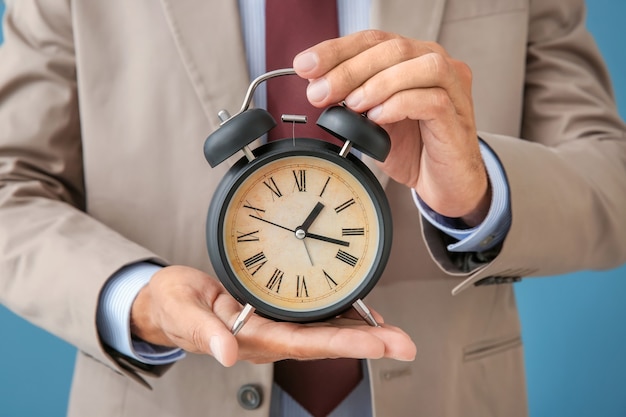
[142, 324]
[480, 211]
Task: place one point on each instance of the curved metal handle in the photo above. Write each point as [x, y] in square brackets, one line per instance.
[258, 80]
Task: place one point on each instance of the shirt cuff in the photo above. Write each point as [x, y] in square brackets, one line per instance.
[494, 228]
[113, 316]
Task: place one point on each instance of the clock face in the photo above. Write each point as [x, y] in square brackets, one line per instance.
[301, 234]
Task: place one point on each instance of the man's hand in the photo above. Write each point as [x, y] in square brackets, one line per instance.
[187, 308]
[423, 98]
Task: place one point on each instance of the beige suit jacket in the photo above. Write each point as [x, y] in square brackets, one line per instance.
[104, 106]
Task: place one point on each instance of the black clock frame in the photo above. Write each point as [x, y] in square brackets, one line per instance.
[240, 171]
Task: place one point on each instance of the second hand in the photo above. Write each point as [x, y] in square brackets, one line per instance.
[272, 223]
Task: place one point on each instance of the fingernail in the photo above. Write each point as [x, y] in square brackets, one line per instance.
[354, 99]
[216, 349]
[317, 90]
[375, 112]
[305, 62]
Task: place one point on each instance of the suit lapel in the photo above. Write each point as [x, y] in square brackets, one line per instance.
[210, 44]
[398, 16]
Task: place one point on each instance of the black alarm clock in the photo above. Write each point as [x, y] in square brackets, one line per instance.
[300, 229]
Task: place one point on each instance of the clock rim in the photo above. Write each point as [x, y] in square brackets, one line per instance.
[268, 153]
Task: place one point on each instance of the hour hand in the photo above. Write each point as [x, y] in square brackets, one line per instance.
[311, 217]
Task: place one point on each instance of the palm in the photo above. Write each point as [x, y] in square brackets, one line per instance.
[263, 340]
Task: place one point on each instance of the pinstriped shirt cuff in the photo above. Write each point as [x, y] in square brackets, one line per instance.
[496, 225]
[113, 316]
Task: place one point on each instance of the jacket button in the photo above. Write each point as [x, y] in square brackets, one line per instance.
[250, 396]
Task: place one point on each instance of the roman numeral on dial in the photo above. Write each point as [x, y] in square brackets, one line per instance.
[271, 184]
[247, 237]
[274, 283]
[344, 206]
[329, 280]
[356, 231]
[301, 290]
[300, 177]
[324, 187]
[257, 210]
[347, 258]
[255, 262]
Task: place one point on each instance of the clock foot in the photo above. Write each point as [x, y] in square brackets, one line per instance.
[242, 318]
[365, 313]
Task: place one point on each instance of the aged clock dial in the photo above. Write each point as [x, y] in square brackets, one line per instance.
[300, 232]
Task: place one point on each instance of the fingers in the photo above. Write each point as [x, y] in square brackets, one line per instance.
[320, 59]
[191, 310]
[398, 345]
[185, 308]
[196, 327]
[332, 339]
[423, 99]
[262, 340]
[337, 67]
[429, 73]
[372, 47]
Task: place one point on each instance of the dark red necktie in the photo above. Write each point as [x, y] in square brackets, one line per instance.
[291, 27]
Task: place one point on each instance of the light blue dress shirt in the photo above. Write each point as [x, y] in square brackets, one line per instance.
[113, 316]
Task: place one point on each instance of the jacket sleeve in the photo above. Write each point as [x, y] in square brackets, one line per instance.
[567, 172]
[54, 258]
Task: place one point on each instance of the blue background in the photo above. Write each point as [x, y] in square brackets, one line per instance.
[573, 326]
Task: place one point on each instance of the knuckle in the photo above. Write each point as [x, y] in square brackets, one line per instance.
[333, 49]
[440, 100]
[437, 65]
[404, 48]
[435, 47]
[464, 72]
[348, 75]
[373, 36]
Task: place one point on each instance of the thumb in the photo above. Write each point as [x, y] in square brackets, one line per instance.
[224, 348]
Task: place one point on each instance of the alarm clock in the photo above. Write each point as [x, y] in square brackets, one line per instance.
[298, 229]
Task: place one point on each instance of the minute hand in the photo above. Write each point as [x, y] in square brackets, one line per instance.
[327, 239]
